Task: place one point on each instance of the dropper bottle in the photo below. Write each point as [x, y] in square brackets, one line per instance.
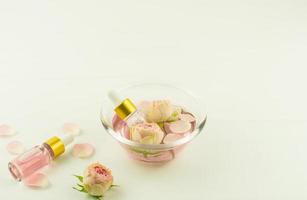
[39, 156]
[125, 109]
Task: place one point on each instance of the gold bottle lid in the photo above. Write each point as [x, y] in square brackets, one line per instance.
[56, 145]
[125, 108]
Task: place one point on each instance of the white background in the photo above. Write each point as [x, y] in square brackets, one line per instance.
[245, 60]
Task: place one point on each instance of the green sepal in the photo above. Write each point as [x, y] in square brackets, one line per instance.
[80, 190]
[114, 186]
[80, 178]
[98, 197]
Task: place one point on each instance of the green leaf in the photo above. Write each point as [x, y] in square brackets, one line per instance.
[77, 189]
[81, 189]
[98, 197]
[114, 186]
[80, 178]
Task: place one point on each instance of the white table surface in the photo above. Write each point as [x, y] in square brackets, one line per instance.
[245, 60]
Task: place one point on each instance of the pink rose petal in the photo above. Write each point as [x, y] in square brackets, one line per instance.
[177, 127]
[6, 130]
[71, 128]
[187, 117]
[143, 106]
[15, 147]
[118, 123]
[126, 132]
[84, 150]
[190, 118]
[38, 180]
[172, 138]
[120, 126]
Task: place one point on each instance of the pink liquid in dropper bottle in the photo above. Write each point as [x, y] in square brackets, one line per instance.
[38, 157]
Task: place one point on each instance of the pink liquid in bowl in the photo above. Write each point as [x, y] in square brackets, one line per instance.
[146, 155]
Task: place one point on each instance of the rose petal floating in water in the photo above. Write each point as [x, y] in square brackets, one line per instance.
[83, 150]
[187, 117]
[38, 180]
[172, 138]
[6, 130]
[177, 127]
[71, 128]
[15, 147]
[118, 123]
[120, 126]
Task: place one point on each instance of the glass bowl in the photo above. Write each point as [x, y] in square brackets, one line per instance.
[154, 153]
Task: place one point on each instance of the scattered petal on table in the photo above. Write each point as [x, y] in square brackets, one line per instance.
[6, 130]
[15, 147]
[71, 128]
[38, 180]
[84, 150]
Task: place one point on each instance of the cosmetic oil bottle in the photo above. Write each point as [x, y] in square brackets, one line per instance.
[126, 110]
[39, 156]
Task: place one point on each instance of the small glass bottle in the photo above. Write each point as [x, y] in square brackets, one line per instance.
[39, 156]
[126, 110]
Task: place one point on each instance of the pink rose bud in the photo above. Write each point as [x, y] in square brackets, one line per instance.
[146, 133]
[97, 179]
[175, 114]
[156, 111]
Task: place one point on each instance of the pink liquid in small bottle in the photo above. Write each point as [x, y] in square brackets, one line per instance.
[31, 161]
[39, 156]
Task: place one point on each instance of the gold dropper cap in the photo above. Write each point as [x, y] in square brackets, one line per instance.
[125, 108]
[56, 145]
